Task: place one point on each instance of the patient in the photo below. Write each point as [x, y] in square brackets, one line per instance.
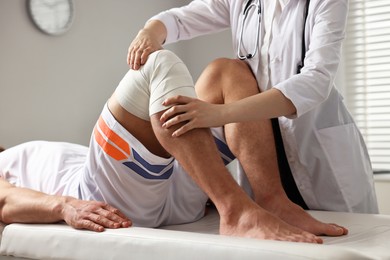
[22, 205]
[135, 165]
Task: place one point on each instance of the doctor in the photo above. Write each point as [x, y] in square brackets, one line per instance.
[324, 149]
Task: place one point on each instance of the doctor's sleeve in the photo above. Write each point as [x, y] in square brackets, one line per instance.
[200, 17]
[313, 85]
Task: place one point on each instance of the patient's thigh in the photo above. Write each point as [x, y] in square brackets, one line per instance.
[140, 95]
[139, 128]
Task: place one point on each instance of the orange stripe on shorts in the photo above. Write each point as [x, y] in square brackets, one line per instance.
[113, 137]
[109, 148]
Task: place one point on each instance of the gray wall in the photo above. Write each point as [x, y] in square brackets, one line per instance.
[53, 88]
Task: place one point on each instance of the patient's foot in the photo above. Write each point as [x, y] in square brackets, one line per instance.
[293, 214]
[1, 149]
[258, 223]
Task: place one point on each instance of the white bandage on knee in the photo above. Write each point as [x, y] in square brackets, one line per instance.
[164, 75]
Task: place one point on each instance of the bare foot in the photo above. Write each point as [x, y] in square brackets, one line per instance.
[293, 214]
[1, 149]
[260, 224]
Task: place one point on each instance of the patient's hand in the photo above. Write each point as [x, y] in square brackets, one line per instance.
[92, 215]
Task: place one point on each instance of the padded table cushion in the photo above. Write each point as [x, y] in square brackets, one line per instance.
[369, 238]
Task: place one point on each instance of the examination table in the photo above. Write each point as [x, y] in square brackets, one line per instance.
[368, 238]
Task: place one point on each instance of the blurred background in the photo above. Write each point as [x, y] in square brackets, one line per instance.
[54, 87]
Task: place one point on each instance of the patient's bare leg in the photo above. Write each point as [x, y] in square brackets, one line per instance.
[226, 81]
[240, 216]
[198, 154]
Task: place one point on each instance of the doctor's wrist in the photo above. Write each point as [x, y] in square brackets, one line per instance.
[155, 29]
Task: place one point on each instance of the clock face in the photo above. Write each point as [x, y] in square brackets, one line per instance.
[53, 17]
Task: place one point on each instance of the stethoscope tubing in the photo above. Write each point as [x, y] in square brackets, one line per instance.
[248, 6]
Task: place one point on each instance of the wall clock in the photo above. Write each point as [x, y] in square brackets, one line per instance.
[53, 17]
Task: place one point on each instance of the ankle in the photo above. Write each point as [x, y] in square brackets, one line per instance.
[272, 201]
[231, 211]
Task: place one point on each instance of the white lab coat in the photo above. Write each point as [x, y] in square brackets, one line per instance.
[325, 150]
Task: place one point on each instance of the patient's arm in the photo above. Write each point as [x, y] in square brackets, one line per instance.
[21, 205]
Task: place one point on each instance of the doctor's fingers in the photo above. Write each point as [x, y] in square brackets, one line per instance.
[184, 129]
[176, 114]
[140, 48]
[179, 104]
[137, 59]
[135, 46]
[189, 120]
[138, 56]
[178, 100]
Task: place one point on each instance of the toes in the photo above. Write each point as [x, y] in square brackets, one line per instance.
[334, 230]
[310, 238]
[341, 230]
[318, 240]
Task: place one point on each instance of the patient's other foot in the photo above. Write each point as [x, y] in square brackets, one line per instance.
[258, 223]
[293, 214]
[1, 149]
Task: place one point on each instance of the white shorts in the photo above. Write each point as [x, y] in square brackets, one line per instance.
[117, 168]
[149, 189]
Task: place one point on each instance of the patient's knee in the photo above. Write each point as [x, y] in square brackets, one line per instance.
[226, 67]
[220, 77]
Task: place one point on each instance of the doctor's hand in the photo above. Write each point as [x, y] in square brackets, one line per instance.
[193, 112]
[142, 46]
[92, 215]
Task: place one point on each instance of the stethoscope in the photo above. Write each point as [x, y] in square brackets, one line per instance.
[249, 4]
